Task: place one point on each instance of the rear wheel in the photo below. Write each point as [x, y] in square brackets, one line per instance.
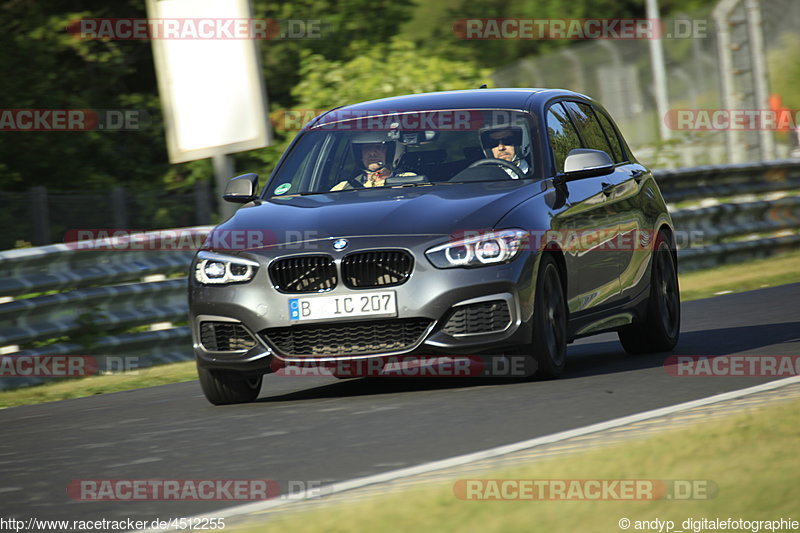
[660, 330]
[222, 387]
[549, 321]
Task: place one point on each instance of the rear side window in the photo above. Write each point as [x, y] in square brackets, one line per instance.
[611, 134]
[562, 134]
[589, 128]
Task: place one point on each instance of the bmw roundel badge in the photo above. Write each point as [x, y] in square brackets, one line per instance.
[340, 244]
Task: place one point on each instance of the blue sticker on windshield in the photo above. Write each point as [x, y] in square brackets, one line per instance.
[280, 189]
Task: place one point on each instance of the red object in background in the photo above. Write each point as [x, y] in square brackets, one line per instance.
[776, 105]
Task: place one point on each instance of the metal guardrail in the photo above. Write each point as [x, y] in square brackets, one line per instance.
[720, 181]
[59, 299]
[96, 300]
[740, 226]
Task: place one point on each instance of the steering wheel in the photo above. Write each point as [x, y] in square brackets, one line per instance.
[501, 162]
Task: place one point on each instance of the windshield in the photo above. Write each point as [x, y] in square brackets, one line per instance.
[347, 152]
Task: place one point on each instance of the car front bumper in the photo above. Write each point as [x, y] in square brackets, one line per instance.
[428, 293]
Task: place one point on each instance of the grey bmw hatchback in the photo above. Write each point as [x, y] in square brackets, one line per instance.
[485, 222]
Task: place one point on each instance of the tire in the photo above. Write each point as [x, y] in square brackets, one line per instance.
[223, 387]
[661, 327]
[549, 348]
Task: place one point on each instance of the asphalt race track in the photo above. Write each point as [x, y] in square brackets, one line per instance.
[323, 429]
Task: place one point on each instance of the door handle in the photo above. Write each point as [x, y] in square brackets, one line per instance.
[608, 188]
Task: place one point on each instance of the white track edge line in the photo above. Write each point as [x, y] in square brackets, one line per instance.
[459, 460]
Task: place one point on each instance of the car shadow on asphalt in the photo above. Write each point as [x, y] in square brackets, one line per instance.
[608, 357]
[585, 359]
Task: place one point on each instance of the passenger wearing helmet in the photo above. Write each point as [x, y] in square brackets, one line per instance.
[506, 143]
[378, 156]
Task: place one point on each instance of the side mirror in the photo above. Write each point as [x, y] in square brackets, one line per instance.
[585, 163]
[241, 189]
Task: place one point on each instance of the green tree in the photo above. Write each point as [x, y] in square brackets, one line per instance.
[380, 71]
[375, 71]
[432, 24]
[343, 21]
[365, 51]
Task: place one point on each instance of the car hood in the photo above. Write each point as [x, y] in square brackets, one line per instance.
[429, 210]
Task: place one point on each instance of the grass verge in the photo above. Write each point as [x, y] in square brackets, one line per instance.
[89, 386]
[741, 277]
[750, 457]
[757, 274]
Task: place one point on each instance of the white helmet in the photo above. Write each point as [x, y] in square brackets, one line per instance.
[394, 148]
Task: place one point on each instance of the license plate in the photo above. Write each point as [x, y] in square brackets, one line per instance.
[382, 303]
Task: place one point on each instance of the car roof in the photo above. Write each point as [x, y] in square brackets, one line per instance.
[464, 99]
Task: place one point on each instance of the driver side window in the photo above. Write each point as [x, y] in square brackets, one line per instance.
[348, 167]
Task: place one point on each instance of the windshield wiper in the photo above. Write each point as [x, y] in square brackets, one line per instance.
[364, 189]
[426, 184]
[409, 185]
[310, 193]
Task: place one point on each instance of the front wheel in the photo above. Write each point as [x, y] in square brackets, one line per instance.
[223, 387]
[660, 330]
[549, 321]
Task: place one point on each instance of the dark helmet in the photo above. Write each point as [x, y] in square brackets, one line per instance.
[510, 135]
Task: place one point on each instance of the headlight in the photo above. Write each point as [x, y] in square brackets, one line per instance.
[484, 249]
[218, 269]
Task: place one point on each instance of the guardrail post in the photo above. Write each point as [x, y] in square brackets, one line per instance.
[40, 214]
[119, 208]
[202, 203]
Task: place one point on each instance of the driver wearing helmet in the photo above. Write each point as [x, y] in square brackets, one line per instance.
[378, 156]
[506, 143]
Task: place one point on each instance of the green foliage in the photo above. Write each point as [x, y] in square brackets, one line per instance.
[432, 24]
[366, 50]
[784, 71]
[375, 71]
[45, 67]
[344, 21]
[380, 71]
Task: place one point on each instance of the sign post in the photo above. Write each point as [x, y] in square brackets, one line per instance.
[209, 78]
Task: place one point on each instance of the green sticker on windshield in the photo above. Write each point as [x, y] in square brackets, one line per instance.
[280, 189]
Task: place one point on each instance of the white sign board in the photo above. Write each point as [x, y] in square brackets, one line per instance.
[209, 78]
